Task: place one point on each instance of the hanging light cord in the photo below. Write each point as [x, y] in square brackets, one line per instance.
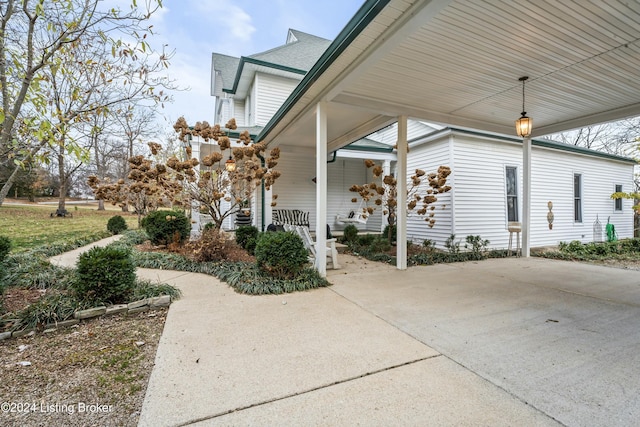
[523, 79]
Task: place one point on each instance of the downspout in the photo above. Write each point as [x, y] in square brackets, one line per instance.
[262, 194]
[334, 157]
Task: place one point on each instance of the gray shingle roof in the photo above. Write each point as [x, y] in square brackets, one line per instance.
[227, 66]
[301, 51]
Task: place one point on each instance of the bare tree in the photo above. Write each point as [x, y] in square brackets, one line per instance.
[385, 195]
[35, 35]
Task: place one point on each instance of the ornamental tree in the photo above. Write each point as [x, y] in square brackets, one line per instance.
[223, 184]
[422, 193]
[147, 187]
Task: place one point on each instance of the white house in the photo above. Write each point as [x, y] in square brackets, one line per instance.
[487, 170]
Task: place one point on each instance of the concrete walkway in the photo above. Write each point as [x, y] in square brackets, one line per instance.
[527, 342]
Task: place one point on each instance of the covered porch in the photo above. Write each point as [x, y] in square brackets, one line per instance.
[460, 63]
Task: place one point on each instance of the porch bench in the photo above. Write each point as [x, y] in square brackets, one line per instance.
[290, 216]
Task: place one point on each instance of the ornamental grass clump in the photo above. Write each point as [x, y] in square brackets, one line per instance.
[281, 254]
[5, 247]
[105, 275]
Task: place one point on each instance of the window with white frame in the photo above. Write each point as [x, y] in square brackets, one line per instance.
[511, 180]
[617, 203]
[577, 197]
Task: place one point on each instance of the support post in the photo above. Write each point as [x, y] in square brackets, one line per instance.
[321, 188]
[526, 197]
[386, 170]
[195, 205]
[401, 209]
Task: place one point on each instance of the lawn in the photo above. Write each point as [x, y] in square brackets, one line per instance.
[31, 226]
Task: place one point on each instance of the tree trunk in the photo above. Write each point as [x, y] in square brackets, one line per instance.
[7, 185]
[63, 182]
[101, 205]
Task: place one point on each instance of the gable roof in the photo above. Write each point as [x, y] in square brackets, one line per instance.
[301, 51]
[293, 59]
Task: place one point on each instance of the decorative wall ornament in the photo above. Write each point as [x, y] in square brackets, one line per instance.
[550, 215]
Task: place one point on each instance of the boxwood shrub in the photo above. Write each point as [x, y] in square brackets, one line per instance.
[247, 237]
[164, 227]
[105, 275]
[281, 254]
[116, 224]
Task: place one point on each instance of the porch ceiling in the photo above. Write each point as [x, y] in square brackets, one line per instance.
[458, 63]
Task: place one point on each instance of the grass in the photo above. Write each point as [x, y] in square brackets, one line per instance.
[29, 227]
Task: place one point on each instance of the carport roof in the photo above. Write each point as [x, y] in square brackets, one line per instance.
[457, 62]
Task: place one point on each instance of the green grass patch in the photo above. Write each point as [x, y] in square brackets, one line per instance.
[30, 227]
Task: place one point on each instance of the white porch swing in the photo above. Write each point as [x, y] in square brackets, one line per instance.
[357, 216]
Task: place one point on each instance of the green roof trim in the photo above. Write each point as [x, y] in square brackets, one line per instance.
[247, 60]
[546, 143]
[363, 17]
[365, 148]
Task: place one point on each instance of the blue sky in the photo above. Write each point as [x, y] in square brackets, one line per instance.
[196, 28]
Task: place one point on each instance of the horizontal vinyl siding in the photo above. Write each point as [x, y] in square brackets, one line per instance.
[238, 112]
[481, 200]
[296, 190]
[343, 173]
[271, 92]
[552, 180]
[429, 157]
[480, 196]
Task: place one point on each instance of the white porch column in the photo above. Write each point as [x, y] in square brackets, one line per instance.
[195, 206]
[526, 196]
[321, 188]
[386, 170]
[401, 209]
[268, 209]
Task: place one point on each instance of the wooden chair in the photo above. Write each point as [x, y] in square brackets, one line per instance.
[310, 244]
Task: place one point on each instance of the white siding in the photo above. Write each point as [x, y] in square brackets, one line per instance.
[343, 173]
[552, 180]
[271, 92]
[238, 112]
[480, 201]
[429, 157]
[296, 190]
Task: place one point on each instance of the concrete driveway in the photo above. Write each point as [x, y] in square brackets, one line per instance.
[526, 342]
[562, 337]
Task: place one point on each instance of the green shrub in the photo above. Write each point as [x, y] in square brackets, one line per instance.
[394, 233]
[477, 246]
[105, 275]
[452, 246]
[247, 237]
[350, 233]
[380, 245]
[116, 224]
[366, 239]
[429, 244]
[165, 227]
[5, 247]
[281, 254]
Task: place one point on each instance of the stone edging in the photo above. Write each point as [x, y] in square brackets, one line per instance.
[153, 303]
